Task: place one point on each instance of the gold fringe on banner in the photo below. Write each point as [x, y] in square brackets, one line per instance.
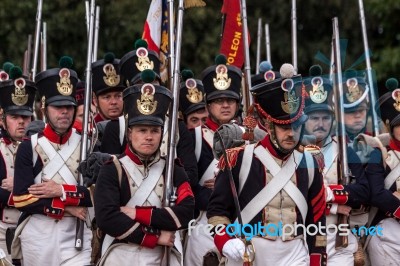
[194, 3]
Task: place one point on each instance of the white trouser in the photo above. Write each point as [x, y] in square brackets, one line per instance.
[46, 241]
[122, 254]
[277, 253]
[385, 250]
[343, 256]
[199, 243]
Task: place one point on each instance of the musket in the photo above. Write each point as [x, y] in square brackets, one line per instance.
[43, 50]
[247, 258]
[343, 171]
[85, 122]
[171, 41]
[37, 38]
[173, 84]
[294, 36]
[27, 57]
[268, 42]
[371, 94]
[96, 34]
[87, 16]
[247, 100]
[259, 35]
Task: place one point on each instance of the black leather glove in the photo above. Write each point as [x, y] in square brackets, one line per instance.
[231, 136]
[90, 167]
[34, 127]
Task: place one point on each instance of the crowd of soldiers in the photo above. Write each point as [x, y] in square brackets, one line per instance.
[279, 168]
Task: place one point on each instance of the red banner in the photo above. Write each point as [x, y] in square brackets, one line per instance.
[232, 37]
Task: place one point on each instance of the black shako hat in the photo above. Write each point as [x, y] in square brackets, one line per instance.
[57, 86]
[191, 94]
[134, 62]
[282, 100]
[355, 90]
[221, 80]
[319, 90]
[389, 103]
[146, 104]
[17, 94]
[106, 76]
[266, 74]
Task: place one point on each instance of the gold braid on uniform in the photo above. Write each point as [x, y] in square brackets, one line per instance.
[317, 154]
[232, 155]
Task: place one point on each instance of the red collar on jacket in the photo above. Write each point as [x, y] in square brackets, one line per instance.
[211, 124]
[132, 156]
[6, 140]
[98, 118]
[394, 144]
[51, 135]
[267, 144]
[78, 126]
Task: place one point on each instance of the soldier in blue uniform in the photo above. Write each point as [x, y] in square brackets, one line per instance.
[16, 98]
[46, 187]
[340, 199]
[107, 87]
[130, 189]
[383, 171]
[192, 103]
[222, 84]
[263, 173]
[132, 65]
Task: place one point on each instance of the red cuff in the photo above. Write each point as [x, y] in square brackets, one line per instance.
[341, 196]
[10, 201]
[69, 188]
[397, 213]
[143, 214]
[149, 240]
[72, 195]
[317, 259]
[221, 239]
[56, 210]
[184, 191]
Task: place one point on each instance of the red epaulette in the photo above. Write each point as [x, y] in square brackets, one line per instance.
[232, 155]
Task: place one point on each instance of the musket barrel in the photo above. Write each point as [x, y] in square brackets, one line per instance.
[43, 59]
[247, 100]
[37, 38]
[27, 57]
[294, 36]
[268, 42]
[87, 104]
[372, 96]
[343, 168]
[87, 15]
[96, 34]
[171, 41]
[173, 73]
[339, 111]
[259, 35]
